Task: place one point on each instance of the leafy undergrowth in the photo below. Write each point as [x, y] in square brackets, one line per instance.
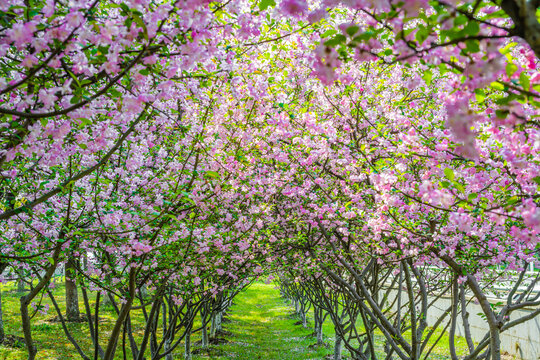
[260, 326]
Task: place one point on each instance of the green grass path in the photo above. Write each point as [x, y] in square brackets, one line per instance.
[263, 327]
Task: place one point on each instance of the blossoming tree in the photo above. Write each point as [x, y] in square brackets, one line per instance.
[171, 151]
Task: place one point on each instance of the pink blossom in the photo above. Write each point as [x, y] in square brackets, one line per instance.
[74, 18]
[48, 9]
[139, 248]
[414, 6]
[326, 60]
[294, 7]
[531, 215]
[29, 61]
[47, 97]
[317, 15]
[149, 60]
[21, 34]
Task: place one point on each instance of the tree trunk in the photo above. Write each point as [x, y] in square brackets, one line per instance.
[72, 297]
[25, 317]
[318, 326]
[2, 333]
[20, 285]
[204, 333]
[144, 291]
[167, 347]
[107, 301]
[320, 340]
[213, 325]
[219, 321]
[3, 266]
[168, 341]
[337, 347]
[495, 343]
[122, 315]
[187, 348]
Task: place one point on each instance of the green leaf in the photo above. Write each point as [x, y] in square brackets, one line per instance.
[422, 34]
[460, 20]
[497, 86]
[505, 50]
[212, 174]
[511, 69]
[72, 75]
[336, 40]
[115, 92]
[75, 100]
[124, 8]
[427, 76]
[513, 200]
[536, 179]
[524, 81]
[501, 114]
[472, 196]
[351, 30]
[472, 46]
[449, 173]
[265, 4]
[328, 33]
[141, 23]
[365, 36]
[459, 187]
[480, 95]
[472, 28]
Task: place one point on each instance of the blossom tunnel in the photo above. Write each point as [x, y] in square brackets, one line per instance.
[378, 159]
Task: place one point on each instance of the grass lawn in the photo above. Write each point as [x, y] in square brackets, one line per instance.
[261, 326]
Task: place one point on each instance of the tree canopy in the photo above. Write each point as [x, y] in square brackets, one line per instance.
[189, 146]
